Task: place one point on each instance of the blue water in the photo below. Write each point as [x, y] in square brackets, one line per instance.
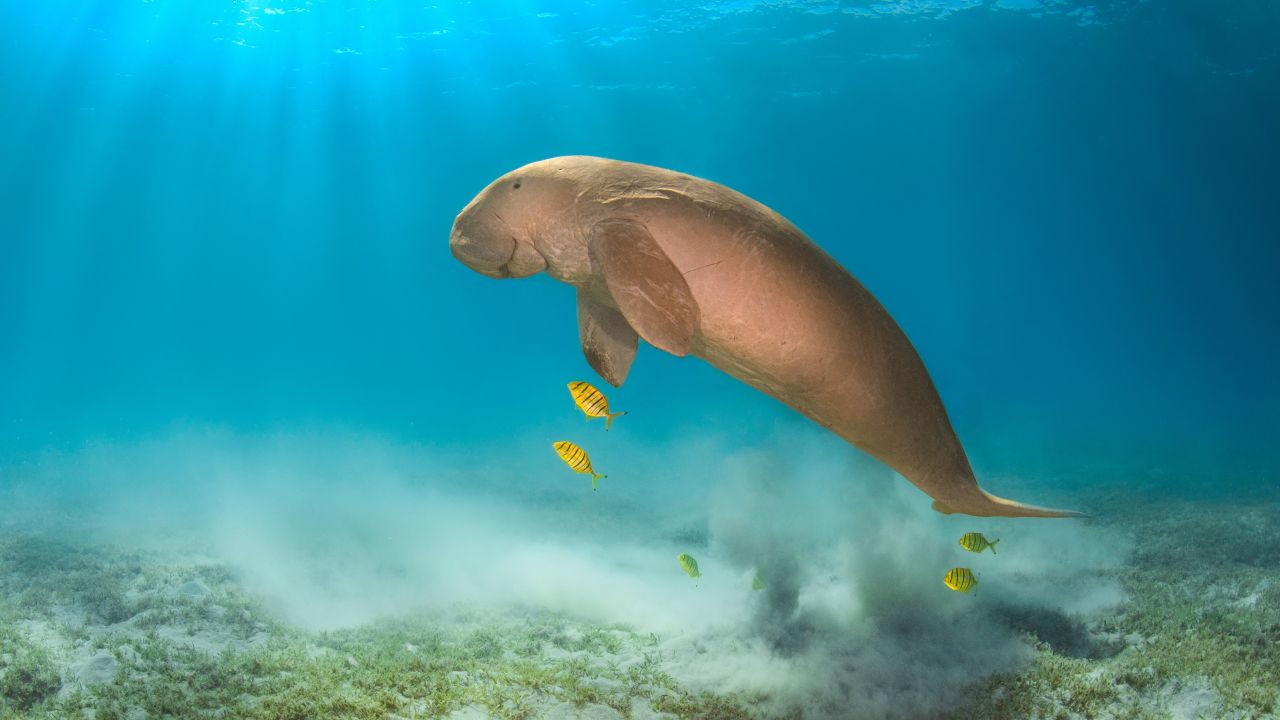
[247, 395]
[235, 214]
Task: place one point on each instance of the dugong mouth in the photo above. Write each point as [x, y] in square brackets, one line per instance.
[496, 257]
[488, 258]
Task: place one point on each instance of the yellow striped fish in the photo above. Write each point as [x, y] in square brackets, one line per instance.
[976, 542]
[689, 565]
[592, 402]
[960, 579]
[576, 458]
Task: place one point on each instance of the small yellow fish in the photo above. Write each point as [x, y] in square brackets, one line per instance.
[592, 402]
[976, 542]
[576, 458]
[960, 579]
[757, 583]
[689, 565]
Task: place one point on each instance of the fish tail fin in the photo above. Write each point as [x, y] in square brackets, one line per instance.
[992, 545]
[608, 419]
[595, 478]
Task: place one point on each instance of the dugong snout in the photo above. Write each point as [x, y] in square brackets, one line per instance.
[493, 250]
[490, 256]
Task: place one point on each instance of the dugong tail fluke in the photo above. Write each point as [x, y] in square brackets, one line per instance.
[1000, 507]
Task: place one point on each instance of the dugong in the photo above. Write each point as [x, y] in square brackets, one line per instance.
[696, 268]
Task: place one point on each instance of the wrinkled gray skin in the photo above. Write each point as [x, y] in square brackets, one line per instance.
[695, 268]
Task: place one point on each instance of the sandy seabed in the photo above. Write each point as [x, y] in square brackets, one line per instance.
[89, 630]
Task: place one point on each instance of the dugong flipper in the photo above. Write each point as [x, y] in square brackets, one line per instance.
[696, 268]
[607, 340]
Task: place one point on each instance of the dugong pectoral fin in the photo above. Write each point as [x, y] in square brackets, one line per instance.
[645, 285]
[607, 340]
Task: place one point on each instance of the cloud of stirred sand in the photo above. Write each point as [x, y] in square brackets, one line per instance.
[335, 529]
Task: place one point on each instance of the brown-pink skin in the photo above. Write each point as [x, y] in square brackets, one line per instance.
[696, 268]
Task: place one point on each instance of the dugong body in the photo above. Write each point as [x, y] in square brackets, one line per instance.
[696, 268]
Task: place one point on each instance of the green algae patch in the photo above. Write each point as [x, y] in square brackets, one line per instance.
[1199, 633]
[28, 673]
[175, 640]
[407, 668]
[96, 631]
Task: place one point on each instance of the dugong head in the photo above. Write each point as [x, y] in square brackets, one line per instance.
[499, 232]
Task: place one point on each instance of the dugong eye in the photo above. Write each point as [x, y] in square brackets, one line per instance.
[516, 186]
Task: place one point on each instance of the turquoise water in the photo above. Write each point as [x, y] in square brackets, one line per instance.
[227, 303]
[238, 213]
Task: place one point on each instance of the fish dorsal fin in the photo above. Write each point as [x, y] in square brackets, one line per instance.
[607, 340]
[645, 285]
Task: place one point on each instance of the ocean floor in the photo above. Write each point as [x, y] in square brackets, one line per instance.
[107, 632]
